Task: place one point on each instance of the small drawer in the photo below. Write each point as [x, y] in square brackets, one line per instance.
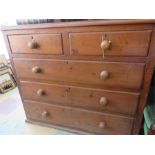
[87, 98]
[88, 121]
[36, 44]
[97, 74]
[125, 43]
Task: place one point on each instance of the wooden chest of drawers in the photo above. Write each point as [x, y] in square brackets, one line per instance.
[89, 77]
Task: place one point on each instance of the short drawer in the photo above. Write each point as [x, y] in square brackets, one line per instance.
[87, 98]
[36, 44]
[93, 122]
[124, 43]
[99, 74]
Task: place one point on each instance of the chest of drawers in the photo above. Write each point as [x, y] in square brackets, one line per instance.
[89, 77]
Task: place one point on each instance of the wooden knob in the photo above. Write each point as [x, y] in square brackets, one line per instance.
[44, 114]
[105, 44]
[104, 75]
[103, 101]
[102, 125]
[36, 69]
[32, 44]
[40, 92]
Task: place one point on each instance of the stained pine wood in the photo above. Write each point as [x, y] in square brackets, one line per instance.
[81, 97]
[46, 44]
[126, 75]
[71, 117]
[131, 66]
[124, 43]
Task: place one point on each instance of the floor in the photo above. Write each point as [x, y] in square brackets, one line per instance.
[12, 118]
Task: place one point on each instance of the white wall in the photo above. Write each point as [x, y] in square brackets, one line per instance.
[3, 50]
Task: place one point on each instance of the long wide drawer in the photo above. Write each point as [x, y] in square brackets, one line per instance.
[124, 43]
[36, 44]
[93, 122]
[100, 74]
[87, 98]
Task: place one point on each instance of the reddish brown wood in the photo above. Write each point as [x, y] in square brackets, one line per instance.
[130, 67]
[87, 98]
[152, 130]
[126, 75]
[78, 29]
[71, 117]
[150, 65]
[68, 129]
[124, 43]
[45, 44]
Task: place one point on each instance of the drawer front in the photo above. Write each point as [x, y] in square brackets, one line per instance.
[94, 122]
[36, 44]
[88, 98]
[99, 74]
[127, 43]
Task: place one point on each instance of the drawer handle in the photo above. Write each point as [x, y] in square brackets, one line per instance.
[32, 44]
[102, 125]
[44, 114]
[105, 45]
[104, 75]
[40, 92]
[36, 69]
[103, 101]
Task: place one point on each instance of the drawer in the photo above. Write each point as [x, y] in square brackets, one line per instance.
[124, 43]
[99, 74]
[87, 98]
[93, 122]
[36, 44]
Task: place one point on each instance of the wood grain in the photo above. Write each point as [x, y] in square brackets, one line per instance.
[125, 75]
[70, 117]
[46, 44]
[72, 61]
[84, 98]
[127, 43]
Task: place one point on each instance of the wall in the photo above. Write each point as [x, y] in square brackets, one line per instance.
[3, 50]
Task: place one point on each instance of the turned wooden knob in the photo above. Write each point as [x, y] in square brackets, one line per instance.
[44, 114]
[102, 125]
[36, 69]
[103, 101]
[32, 44]
[40, 92]
[104, 75]
[105, 44]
